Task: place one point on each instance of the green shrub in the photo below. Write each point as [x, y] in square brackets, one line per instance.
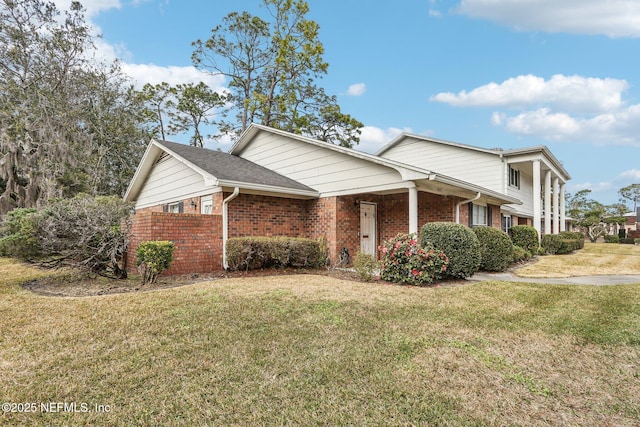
[250, 253]
[405, 261]
[555, 244]
[20, 234]
[608, 238]
[551, 243]
[520, 254]
[574, 235]
[154, 257]
[628, 241]
[87, 231]
[458, 242]
[496, 248]
[366, 266]
[526, 237]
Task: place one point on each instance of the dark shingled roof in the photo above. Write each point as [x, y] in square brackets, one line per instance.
[227, 167]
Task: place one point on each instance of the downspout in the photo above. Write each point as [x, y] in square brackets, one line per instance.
[464, 202]
[225, 225]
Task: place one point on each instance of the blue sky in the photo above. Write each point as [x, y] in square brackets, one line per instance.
[490, 73]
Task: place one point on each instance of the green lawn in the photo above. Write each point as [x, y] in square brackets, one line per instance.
[313, 350]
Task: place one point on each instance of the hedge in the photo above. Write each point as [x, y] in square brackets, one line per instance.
[558, 244]
[526, 237]
[405, 261]
[496, 248]
[250, 253]
[459, 244]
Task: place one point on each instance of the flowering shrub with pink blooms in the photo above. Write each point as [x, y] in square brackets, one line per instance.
[405, 261]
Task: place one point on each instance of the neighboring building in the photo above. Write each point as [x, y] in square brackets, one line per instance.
[274, 183]
[532, 175]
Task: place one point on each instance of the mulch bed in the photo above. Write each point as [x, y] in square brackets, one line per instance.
[82, 284]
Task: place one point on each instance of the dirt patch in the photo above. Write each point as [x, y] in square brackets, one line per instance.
[73, 283]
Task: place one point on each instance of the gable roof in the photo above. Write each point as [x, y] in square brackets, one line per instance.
[407, 172]
[217, 169]
[542, 149]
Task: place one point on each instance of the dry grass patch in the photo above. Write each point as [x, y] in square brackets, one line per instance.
[594, 259]
[313, 350]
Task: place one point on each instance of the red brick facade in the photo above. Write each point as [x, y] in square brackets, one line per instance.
[198, 238]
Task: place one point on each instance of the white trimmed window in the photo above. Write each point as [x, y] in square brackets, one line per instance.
[514, 177]
[206, 205]
[479, 215]
[507, 223]
[173, 207]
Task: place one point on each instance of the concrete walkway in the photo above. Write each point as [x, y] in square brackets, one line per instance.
[576, 280]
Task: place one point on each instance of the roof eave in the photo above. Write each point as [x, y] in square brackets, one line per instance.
[311, 194]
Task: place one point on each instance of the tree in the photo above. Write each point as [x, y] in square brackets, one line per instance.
[588, 214]
[632, 193]
[157, 99]
[67, 123]
[273, 66]
[196, 105]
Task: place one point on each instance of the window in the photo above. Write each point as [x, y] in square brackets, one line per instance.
[206, 205]
[514, 177]
[173, 207]
[506, 223]
[479, 215]
[176, 207]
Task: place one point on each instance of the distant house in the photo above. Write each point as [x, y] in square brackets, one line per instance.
[532, 175]
[274, 183]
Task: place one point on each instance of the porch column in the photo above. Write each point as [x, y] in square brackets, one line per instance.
[537, 209]
[556, 207]
[547, 203]
[563, 208]
[413, 209]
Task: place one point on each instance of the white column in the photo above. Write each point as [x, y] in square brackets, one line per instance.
[413, 209]
[556, 205]
[547, 202]
[537, 209]
[563, 208]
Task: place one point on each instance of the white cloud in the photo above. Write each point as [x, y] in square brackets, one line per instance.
[613, 18]
[149, 73]
[598, 187]
[92, 7]
[615, 128]
[372, 138]
[562, 108]
[571, 92]
[357, 89]
[633, 174]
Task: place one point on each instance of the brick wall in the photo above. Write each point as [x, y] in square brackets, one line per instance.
[253, 215]
[198, 239]
[321, 222]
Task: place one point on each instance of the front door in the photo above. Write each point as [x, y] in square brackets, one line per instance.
[368, 228]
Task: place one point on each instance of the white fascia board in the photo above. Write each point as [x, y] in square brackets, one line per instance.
[269, 189]
[143, 168]
[205, 192]
[373, 189]
[477, 189]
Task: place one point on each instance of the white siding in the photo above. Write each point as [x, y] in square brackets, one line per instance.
[472, 166]
[170, 180]
[320, 168]
[525, 194]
